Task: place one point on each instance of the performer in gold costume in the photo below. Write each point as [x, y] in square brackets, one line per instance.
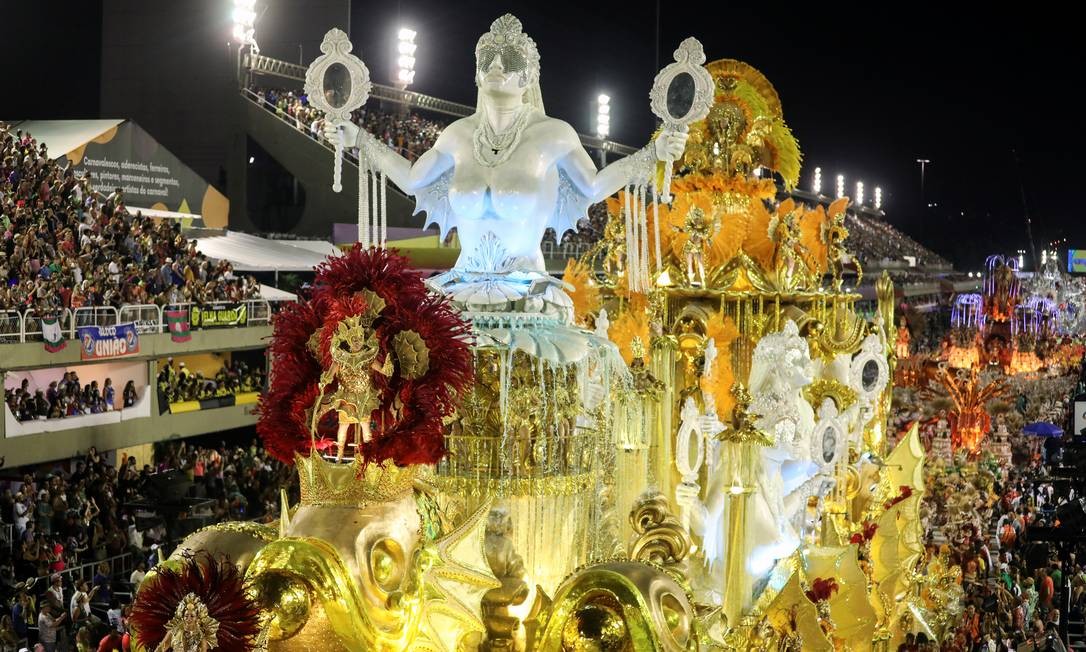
[191, 629]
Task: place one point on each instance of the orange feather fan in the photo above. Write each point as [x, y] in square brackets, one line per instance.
[816, 250]
[719, 383]
[758, 244]
[586, 294]
[632, 324]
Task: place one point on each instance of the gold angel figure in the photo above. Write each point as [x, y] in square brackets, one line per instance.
[191, 629]
[785, 233]
[700, 229]
[354, 349]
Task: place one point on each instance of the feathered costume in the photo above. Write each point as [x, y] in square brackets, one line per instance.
[408, 408]
[228, 619]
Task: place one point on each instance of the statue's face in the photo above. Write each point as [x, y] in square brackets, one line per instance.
[501, 70]
[799, 367]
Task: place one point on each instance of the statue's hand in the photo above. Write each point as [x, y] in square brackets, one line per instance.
[670, 145]
[349, 129]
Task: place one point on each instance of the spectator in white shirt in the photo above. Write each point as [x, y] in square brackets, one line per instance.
[137, 575]
[48, 624]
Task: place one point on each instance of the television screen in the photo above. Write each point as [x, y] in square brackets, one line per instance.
[1076, 261]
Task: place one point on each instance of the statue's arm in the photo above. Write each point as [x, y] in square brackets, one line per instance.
[407, 176]
[595, 184]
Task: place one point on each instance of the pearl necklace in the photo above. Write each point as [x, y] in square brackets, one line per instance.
[493, 149]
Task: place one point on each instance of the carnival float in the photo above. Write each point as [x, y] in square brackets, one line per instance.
[681, 445]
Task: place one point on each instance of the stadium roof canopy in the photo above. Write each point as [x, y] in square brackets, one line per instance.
[250, 253]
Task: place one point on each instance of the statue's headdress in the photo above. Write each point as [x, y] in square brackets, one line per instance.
[518, 51]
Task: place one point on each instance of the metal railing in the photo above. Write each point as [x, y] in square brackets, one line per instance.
[146, 316]
[11, 323]
[120, 566]
[21, 327]
[96, 316]
[30, 327]
[259, 63]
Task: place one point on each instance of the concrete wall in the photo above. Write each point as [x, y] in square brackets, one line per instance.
[60, 444]
[48, 446]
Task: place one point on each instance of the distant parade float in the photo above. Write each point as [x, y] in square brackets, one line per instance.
[680, 446]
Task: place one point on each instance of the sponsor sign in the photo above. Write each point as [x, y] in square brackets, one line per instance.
[98, 342]
[219, 315]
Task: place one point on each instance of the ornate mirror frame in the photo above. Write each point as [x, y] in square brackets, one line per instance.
[870, 351]
[828, 419]
[337, 49]
[689, 58]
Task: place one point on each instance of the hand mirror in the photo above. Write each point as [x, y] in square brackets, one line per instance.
[337, 83]
[682, 93]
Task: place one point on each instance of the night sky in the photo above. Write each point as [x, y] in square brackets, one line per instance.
[867, 90]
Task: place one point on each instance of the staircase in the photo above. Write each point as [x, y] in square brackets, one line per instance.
[310, 162]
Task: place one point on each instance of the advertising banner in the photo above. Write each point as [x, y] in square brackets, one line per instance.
[1076, 261]
[129, 158]
[221, 315]
[98, 342]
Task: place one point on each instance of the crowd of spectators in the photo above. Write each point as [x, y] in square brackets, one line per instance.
[83, 540]
[993, 514]
[408, 133]
[179, 383]
[874, 240]
[987, 517]
[67, 398]
[65, 245]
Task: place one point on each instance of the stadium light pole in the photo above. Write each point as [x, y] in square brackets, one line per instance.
[923, 167]
[603, 124]
[817, 186]
[244, 32]
[878, 198]
[406, 47]
[859, 193]
[840, 186]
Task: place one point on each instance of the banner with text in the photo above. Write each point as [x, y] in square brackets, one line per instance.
[219, 315]
[97, 342]
[129, 158]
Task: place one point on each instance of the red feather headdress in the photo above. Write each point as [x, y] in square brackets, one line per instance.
[217, 583]
[409, 421]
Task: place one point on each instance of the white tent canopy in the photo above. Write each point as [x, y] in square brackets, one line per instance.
[269, 293]
[250, 253]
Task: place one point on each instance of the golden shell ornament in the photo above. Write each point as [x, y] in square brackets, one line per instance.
[412, 354]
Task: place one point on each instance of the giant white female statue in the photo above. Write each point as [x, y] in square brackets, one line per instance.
[505, 174]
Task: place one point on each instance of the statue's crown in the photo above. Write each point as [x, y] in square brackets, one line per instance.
[355, 484]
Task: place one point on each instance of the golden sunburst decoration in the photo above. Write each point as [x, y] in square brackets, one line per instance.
[455, 578]
[745, 128]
